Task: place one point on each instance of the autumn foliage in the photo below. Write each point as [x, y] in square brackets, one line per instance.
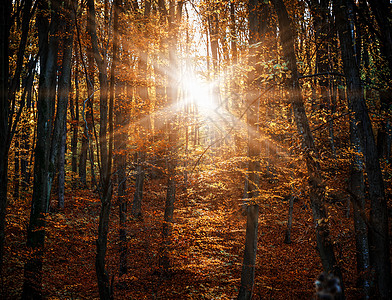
[146, 141]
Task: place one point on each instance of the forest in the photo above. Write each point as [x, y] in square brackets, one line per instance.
[195, 149]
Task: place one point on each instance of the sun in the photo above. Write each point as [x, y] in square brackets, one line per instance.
[199, 93]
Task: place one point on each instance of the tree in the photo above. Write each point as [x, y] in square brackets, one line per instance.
[105, 148]
[173, 19]
[43, 167]
[378, 229]
[5, 9]
[256, 32]
[49, 133]
[64, 87]
[8, 88]
[316, 184]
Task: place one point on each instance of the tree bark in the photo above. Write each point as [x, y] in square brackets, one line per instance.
[121, 122]
[357, 189]
[145, 124]
[5, 11]
[105, 289]
[138, 196]
[254, 147]
[287, 238]
[249, 262]
[174, 19]
[378, 230]
[43, 167]
[317, 187]
[74, 110]
[63, 93]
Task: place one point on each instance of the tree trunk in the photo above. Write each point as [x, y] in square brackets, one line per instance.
[121, 120]
[24, 161]
[287, 238]
[74, 110]
[378, 230]
[174, 20]
[43, 167]
[5, 11]
[138, 196]
[87, 146]
[256, 31]
[17, 166]
[357, 189]
[317, 187]
[121, 164]
[105, 290]
[61, 170]
[63, 93]
[144, 129]
[249, 262]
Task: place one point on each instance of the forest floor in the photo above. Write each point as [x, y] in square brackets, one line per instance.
[206, 251]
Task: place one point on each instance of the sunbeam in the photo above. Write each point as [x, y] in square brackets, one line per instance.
[199, 93]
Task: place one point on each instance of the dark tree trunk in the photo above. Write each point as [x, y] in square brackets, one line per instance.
[17, 166]
[249, 262]
[256, 34]
[63, 93]
[138, 196]
[87, 146]
[61, 170]
[5, 11]
[24, 161]
[174, 20]
[121, 163]
[83, 158]
[378, 230]
[8, 87]
[287, 238]
[43, 167]
[121, 120]
[74, 110]
[317, 187]
[106, 119]
[357, 189]
[145, 128]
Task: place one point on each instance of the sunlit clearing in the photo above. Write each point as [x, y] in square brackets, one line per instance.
[199, 93]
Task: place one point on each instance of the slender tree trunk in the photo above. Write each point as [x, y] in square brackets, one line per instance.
[105, 147]
[357, 189]
[24, 161]
[16, 174]
[121, 163]
[61, 170]
[74, 109]
[378, 230]
[87, 146]
[138, 196]
[145, 128]
[249, 262]
[287, 238]
[256, 33]
[121, 120]
[174, 19]
[63, 93]
[317, 187]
